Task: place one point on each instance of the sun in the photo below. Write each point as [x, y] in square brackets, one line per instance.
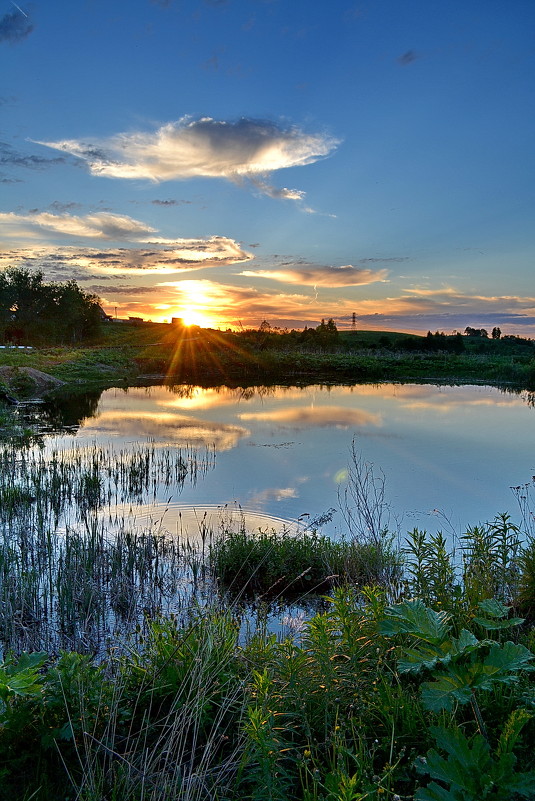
[194, 317]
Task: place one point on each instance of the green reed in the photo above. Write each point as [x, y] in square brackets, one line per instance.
[73, 571]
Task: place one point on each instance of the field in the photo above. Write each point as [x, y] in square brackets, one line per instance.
[128, 352]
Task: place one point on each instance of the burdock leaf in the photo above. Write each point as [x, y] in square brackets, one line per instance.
[493, 608]
[440, 694]
[503, 659]
[414, 617]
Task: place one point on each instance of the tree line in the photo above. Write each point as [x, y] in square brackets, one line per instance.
[34, 312]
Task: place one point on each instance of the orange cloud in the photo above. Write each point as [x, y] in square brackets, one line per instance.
[316, 417]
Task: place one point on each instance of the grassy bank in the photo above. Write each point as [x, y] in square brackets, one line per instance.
[126, 352]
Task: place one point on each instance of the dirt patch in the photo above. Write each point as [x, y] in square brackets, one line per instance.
[28, 382]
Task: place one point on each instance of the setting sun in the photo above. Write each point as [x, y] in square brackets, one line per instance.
[194, 317]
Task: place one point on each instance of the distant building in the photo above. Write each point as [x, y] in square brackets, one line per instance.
[178, 321]
[103, 316]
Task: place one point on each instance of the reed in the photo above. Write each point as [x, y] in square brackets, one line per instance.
[74, 569]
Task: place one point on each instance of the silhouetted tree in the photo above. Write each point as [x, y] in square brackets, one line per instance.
[33, 311]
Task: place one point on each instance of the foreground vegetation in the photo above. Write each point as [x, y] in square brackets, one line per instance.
[121, 680]
[372, 700]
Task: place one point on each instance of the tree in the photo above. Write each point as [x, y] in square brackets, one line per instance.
[45, 313]
[496, 333]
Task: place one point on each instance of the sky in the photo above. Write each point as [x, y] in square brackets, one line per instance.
[235, 161]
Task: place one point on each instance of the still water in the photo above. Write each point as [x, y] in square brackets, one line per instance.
[449, 455]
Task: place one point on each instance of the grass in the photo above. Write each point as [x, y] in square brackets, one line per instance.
[192, 712]
[287, 565]
[127, 351]
[73, 572]
[413, 682]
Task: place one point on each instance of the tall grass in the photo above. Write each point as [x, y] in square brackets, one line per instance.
[73, 572]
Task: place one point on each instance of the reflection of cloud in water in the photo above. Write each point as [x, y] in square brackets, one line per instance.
[431, 396]
[173, 428]
[316, 417]
[198, 523]
[274, 494]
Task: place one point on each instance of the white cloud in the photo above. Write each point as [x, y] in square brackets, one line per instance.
[100, 225]
[311, 275]
[189, 148]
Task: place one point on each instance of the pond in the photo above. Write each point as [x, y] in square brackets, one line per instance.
[449, 454]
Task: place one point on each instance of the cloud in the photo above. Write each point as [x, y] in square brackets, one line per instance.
[181, 430]
[9, 157]
[316, 417]
[158, 254]
[110, 289]
[276, 193]
[204, 148]
[179, 256]
[14, 27]
[311, 275]
[100, 225]
[170, 202]
[407, 58]
[58, 205]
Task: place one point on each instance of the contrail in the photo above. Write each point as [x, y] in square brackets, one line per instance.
[20, 9]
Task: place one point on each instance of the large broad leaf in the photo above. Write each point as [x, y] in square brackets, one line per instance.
[499, 612]
[507, 657]
[523, 784]
[466, 768]
[414, 617]
[440, 694]
[26, 661]
[493, 608]
[434, 792]
[429, 656]
[21, 678]
[414, 659]
[495, 625]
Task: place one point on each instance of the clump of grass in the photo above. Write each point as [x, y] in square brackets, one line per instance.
[290, 564]
[74, 572]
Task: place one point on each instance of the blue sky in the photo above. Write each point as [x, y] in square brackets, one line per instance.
[232, 161]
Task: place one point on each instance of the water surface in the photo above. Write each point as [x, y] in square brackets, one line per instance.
[449, 455]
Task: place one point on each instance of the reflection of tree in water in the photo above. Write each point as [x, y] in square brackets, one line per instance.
[527, 395]
[68, 410]
[233, 390]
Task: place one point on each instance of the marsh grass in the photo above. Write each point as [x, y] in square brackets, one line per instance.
[73, 572]
[289, 564]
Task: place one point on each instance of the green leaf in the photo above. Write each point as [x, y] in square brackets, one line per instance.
[494, 625]
[434, 792]
[503, 659]
[414, 659]
[457, 745]
[429, 656]
[493, 608]
[26, 661]
[523, 784]
[440, 694]
[414, 617]
[466, 768]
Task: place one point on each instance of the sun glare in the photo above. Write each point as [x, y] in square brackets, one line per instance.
[194, 317]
